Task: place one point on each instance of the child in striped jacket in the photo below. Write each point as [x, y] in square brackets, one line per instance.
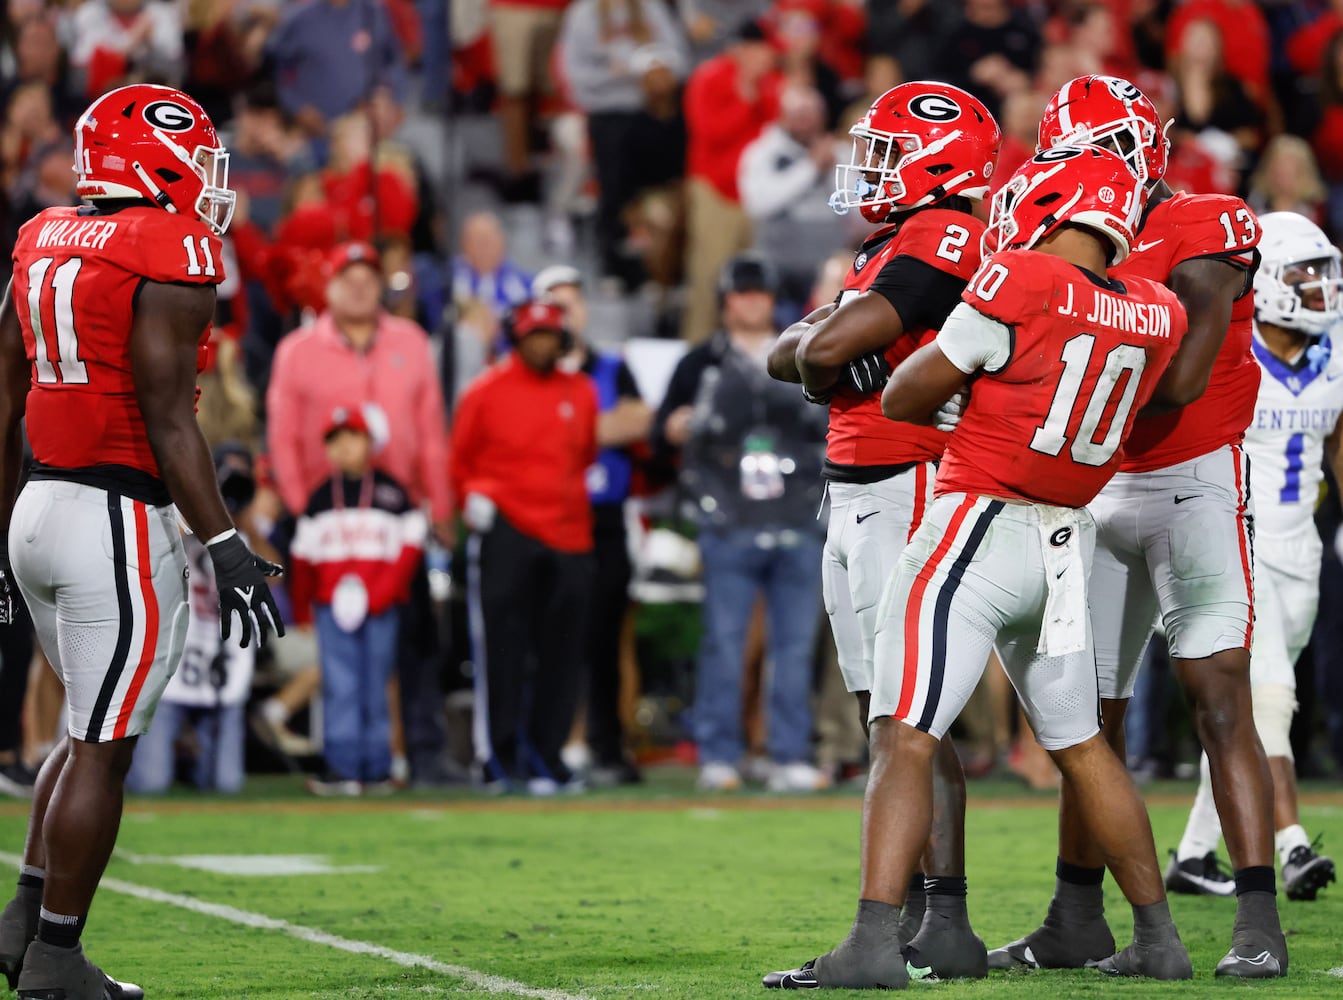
[355, 550]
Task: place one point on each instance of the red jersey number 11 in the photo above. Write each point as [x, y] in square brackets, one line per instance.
[56, 299]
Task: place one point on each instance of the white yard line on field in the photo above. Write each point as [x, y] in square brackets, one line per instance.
[480, 980]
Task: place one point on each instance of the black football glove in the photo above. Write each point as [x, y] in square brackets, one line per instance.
[867, 373]
[819, 398]
[240, 577]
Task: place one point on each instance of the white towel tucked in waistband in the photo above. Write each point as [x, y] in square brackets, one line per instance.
[1064, 629]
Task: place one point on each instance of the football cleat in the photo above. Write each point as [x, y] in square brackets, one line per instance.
[1256, 952]
[18, 928]
[794, 979]
[51, 973]
[1167, 961]
[1306, 873]
[806, 978]
[1054, 946]
[948, 948]
[1205, 876]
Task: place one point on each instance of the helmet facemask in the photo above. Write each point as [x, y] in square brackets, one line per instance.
[217, 200]
[1303, 295]
[887, 156]
[1004, 229]
[1129, 138]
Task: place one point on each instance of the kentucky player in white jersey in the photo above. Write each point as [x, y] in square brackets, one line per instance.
[1298, 296]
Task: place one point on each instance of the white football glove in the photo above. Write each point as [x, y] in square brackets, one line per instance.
[948, 415]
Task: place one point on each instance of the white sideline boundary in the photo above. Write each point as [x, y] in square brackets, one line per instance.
[245, 918]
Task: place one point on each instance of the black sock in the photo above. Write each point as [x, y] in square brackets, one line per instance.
[1256, 878]
[30, 878]
[1078, 875]
[945, 885]
[1078, 896]
[917, 884]
[59, 930]
[946, 897]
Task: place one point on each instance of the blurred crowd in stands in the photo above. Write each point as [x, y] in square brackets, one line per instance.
[410, 173]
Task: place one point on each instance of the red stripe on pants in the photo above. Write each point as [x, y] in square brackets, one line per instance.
[909, 678]
[150, 645]
[1243, 537]
[920, 495]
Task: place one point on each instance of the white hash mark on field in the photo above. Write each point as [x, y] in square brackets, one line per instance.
[480, 980]
[251, 865]
[1335, 972]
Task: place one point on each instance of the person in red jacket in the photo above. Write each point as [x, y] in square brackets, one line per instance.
[728, 102]
[524, 436]
[355, 549]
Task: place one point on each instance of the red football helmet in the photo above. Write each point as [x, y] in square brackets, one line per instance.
[919, 143]
[145, 141]
[1083, 185]
[1108, 111]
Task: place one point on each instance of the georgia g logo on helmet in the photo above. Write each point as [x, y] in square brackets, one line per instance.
[1056, 153]
[169, 116]
[934, 108]
[1123, 89]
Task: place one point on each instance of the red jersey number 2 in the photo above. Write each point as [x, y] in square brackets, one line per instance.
[51, 293]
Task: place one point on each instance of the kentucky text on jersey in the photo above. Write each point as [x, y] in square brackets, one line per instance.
[92, 233]
[1270, 419]
[1145, 319]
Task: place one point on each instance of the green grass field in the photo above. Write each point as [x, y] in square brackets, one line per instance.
[654, 893]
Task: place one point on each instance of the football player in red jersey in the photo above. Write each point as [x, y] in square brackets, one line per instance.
[101, 334]
[923, 152]
[1174, 535]
[1063, 357]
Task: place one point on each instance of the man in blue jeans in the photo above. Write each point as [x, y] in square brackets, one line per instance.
[751, 454]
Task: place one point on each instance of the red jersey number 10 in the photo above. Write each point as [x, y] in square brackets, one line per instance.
[1051, 436]
[51, 292]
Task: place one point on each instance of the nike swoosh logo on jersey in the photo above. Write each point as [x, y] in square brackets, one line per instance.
[1180, 499]
[864, 517]
[1139, 248]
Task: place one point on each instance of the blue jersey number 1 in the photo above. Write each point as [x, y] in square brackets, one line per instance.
[1291, 487]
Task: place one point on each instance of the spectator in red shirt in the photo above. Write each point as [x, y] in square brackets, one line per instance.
[524, 436]
[728, 102]
[1306, 45]
[1245, 39]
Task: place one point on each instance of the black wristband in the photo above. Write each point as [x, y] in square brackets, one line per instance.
[231, 556]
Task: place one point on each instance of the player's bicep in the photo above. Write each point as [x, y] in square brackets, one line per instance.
[165, 335]
[14, 374]
[1208, 288]
[860, 325]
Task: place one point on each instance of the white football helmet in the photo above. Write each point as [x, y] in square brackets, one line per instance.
[1299, 284]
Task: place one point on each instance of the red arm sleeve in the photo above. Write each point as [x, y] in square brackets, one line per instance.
[461, 470]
